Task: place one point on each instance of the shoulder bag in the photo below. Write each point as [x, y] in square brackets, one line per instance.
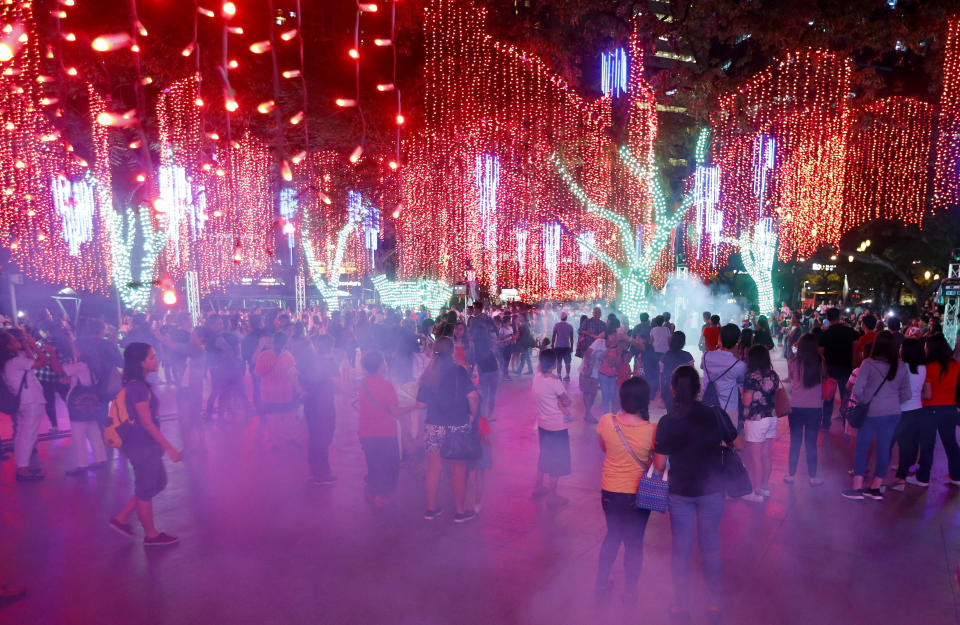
[736, 480]
[856, 413]
[781, 401]
[10, 402]
[652, 491]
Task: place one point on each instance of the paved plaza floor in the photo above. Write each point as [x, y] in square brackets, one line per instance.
[260, 545]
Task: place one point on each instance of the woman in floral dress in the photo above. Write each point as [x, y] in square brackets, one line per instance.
[760, 419]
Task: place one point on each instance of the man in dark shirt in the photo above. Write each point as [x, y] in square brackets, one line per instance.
[836, 345]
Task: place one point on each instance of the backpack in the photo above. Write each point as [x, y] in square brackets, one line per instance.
[486, 360]
[84, 403]
[119, 421]
[711, 397]
[10, 402]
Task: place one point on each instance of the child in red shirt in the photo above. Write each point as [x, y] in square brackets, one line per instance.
[378, 408]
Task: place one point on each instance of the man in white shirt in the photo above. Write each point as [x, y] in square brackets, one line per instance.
[726, 371]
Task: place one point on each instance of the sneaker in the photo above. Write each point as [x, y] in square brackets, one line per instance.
[816, 481]
[852, 493]
[29, 477]
[431, 515]
[121, 528]
[469, 515]
[764, 491]
[899, 486]
[566, 379]
[97, 466]
[789, 479]
[873, 493]
[753, 498]
[77, 471]
[323, 481]
[160, 540]
[915, 482]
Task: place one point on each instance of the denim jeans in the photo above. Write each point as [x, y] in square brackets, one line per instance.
[908, 438]
[488, 392]
[804, 426]
[321, 421]
[879, 428]
[706, 511]
[942, 419]
[625, 524]
[524, 360]
[608, 392]
[383, 464]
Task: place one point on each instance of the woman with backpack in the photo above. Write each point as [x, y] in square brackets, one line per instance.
[142, 443]
[691, 436]
[19, 359]
[87, 409]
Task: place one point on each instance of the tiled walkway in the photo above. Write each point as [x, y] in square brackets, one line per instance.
[261, 546]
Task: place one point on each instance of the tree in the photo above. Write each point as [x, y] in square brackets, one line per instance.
[928, 250]
[633, 279]
[758, 251]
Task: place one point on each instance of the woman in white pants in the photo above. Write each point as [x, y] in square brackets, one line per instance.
[19, 359]
[87, 412]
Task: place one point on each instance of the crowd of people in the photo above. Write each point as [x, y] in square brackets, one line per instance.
[424, 389]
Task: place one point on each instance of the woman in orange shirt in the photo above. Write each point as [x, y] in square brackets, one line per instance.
[939, 412]
[618, 487]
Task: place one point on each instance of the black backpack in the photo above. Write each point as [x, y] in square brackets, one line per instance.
[10, 401]
[710, 395]
[85, 403]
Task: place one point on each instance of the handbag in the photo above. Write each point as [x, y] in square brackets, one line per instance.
[782, 402]
[856, 412]
[652, 491]
[736, 480]
[461, 444]
[829, 389]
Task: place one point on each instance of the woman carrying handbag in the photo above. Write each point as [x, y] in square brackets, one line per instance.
[694, 438]
[626, 439]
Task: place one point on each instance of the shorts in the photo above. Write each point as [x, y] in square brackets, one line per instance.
[434, 435]
[757, 430]
[564, 354]
[588, 384]
[149, 476]
[554, 457]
